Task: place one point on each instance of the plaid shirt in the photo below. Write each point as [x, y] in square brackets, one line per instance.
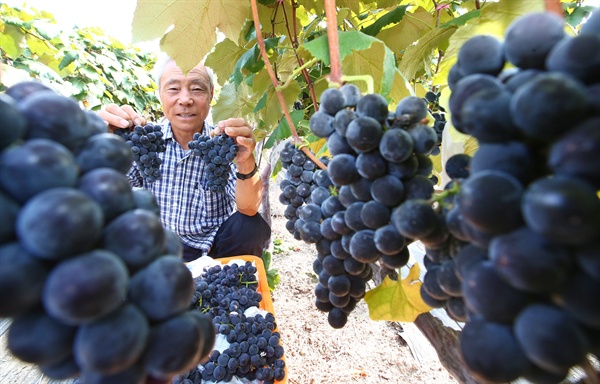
[187, 207]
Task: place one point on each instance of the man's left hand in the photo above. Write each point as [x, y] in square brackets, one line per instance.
[241, 131]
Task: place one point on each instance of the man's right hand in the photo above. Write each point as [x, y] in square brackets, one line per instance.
[121, 117]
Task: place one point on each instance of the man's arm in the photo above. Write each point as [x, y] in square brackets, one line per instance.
[248, 193]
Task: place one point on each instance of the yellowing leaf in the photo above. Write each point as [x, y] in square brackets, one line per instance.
[494, 19]
[194, 26]
[397, 300]
[223, 59]
[407, 31]
[419, 56]
[399, 90]
[366, 62]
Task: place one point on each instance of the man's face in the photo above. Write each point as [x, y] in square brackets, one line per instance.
[185, 99]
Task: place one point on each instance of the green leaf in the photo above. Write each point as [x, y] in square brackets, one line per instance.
[232, 102]
[266, 258]
[397, 300]
[576, 17]
[391, 17]
[273, 111]
[420, 56]
[273, 278]
[68, 59]
[348, 42]
[283, 130]
[262, 102]
[223, 59]
[194, 26]
[252, 61]
[462, 19]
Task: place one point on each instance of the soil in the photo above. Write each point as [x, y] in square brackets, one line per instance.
[364, 351]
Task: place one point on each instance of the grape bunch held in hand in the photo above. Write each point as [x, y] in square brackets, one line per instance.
[218, 153]
[146, 143]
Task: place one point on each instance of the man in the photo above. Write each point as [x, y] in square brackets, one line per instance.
[206, 222]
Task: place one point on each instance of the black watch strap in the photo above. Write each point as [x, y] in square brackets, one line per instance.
[244, 176]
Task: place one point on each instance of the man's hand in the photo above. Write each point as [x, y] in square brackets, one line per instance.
[121, 117]
[241, 131]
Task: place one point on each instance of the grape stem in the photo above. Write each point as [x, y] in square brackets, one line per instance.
[295, 44]
[286, 112]
[335, 76]
[295, 73]
[441, 197]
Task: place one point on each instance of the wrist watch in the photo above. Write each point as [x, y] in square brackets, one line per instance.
[245, 176]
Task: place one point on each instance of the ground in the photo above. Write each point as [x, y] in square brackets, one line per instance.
[364, 351]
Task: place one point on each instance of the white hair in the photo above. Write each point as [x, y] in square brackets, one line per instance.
[162, 61]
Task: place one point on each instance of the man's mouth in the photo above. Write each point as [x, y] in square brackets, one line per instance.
[185, 115]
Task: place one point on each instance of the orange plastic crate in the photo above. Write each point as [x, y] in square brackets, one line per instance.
[263, 288]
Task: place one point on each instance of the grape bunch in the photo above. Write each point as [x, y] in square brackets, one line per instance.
[522, 263]
[93, 283]
[230, 288]
[252, 350]
[146, 143]
[380, 159]
[218, 153]
[302, 183]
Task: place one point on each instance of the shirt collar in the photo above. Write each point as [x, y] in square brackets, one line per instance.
[169, 131]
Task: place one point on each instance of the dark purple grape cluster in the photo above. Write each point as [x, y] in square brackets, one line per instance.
[301, 179]
[146, 142]
[93, 283]
[218, 153]
[228, 288]
[254, 350]
[380, 160]
[522, 263]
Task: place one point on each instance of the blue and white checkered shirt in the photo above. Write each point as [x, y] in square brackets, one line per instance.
[187, 207]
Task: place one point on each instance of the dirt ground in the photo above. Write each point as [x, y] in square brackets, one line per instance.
[364, 351]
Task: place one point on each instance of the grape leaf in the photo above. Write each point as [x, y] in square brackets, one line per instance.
[232, 103]
[419, 56]
[68, 59]
[348, 42]
[392, 17]
[493, 20]
[397, 300]
[283, 130]
[408, 30]
[223, 59]
[194, 26]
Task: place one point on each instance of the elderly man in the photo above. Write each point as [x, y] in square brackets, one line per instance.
[208, 223]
